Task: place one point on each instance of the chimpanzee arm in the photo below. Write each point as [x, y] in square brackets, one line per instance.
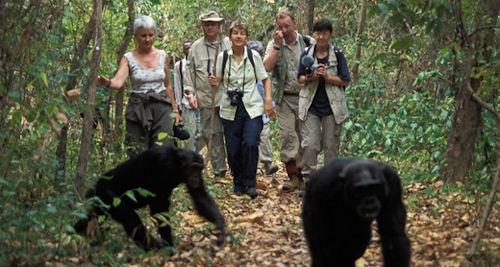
[392, 223]
[206, 207]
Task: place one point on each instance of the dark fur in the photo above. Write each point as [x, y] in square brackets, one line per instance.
[340, 203]
[158, 170]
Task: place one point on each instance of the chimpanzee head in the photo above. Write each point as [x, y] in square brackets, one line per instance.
[364, 187]
[192, 166]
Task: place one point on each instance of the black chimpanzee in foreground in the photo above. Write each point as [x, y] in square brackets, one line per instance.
[158, 170]
[341, 201]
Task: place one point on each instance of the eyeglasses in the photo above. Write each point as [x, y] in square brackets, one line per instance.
[322, 33]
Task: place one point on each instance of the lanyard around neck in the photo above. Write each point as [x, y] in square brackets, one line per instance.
[229, 73]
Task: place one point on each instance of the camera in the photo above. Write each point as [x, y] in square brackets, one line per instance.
[180, 131]
[308, 62]
[235, 96]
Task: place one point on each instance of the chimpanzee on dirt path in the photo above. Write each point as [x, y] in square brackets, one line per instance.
[158, 170]
[341, 201]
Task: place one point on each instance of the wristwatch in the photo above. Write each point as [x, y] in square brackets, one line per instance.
[276, 48]
[188, 96]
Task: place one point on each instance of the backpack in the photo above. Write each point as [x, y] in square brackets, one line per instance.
[249, 55]
[306, 40]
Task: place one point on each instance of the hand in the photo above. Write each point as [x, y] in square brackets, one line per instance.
[278, 38]
[214, 81]
[102, 81]
[178, 118]
[269, 110]
[193, 103]
[321, 72]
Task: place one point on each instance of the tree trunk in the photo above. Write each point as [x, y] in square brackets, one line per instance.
[76, 64]
[359, 33]
[309, 16]
[88, 119]
[467, 118]
[122, 48]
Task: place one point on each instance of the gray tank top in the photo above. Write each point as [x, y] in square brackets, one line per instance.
[145, 79]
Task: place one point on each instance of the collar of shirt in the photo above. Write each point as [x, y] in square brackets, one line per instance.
[296, 40]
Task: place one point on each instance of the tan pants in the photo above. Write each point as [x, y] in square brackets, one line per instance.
[319, 133]
[265, 148]
[218, 152]
[288, 120]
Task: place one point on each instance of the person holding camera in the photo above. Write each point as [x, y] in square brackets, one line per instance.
[241, 107]
[322, 103]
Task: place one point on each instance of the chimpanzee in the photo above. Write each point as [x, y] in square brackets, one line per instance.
[158, 170]
[341, 201]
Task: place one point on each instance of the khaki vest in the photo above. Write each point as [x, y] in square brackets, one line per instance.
[279, 73]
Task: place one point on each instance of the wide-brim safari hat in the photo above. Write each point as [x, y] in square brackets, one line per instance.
[210, 16]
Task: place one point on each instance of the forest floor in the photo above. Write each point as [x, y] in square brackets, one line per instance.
[267, 231]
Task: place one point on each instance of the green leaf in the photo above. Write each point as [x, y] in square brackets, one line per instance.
[43, 76]
[32, 114]
[101, 218]
[375, 10]
[116, 201]
[403, 44]
[162, 135]
[131, 195]
[384, 8]
[145, 193]
[17, 116]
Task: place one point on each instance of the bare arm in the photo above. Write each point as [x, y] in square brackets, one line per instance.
[118, 81]
[273, 50]
[268, 105]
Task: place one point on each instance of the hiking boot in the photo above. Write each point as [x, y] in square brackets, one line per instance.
[251, 192]
[294, 183]
[270, 168]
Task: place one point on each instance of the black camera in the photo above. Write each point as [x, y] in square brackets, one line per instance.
[308, 62]
[180, 131]
[235, 96]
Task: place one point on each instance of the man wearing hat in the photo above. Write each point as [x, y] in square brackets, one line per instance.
[200, 63]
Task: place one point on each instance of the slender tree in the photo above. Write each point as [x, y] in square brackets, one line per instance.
[91, 93]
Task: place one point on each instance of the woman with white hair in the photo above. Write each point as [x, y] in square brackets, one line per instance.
[151, 100]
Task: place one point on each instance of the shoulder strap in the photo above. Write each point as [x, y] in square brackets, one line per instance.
[250, 57]
[182, 75]
[306, 39]
[224, 61]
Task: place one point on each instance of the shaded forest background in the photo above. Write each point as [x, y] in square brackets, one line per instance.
[424, 98]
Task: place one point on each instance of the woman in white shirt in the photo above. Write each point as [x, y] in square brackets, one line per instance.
[151, 98]
[241, 107]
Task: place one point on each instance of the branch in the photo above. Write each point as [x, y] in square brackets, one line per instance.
[483, 103]
[483, 28]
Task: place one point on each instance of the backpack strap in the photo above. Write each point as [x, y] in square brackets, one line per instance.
[306, 39]
[182, 75]
[224, 61]
[249, 55]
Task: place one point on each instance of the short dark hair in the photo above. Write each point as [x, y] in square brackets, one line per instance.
[239, 25]
[322, 25]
